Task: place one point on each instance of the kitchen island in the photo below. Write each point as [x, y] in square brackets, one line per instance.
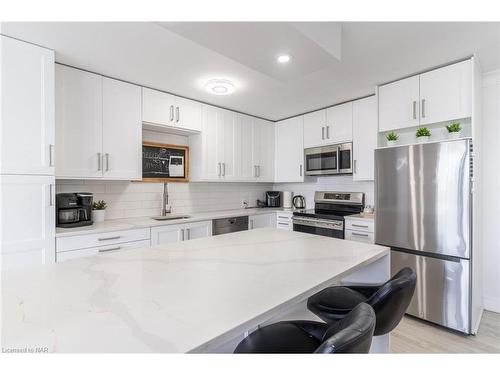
[202, 295]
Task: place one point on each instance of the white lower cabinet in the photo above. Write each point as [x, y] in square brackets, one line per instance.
[80, 253]
[78, 246]
[261, 221]
[360, 230]
[182, 232]
[284, 220]
[27, 221]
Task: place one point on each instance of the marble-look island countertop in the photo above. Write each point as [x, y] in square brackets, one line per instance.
[176, 298]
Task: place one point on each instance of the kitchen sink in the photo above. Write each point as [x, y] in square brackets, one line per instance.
[170, 217]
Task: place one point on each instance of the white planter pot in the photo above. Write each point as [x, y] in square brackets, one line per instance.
[423, 139]
[98, 216]
[392, 143]
[455, 135]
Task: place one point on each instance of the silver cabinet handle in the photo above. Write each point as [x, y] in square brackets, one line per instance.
[171, 113]
[107, 162]
[255, 171]
[219, 168]
[51, 194]
[182, 234]
[251, 223]
[423, 108]
[223, 169]
[188, 234]
[51, 157]
[414, 109]
[177, 114]
[355, 166]
[359, 226]
[99, 161]
[258, 171]
[110, 249]
[323, 133]
[328, 132]
[300, 170]
[359, 234]
[108, 238]
[281, 223]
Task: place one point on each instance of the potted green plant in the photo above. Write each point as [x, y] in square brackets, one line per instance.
[392, 138]
[423, 135]
[454, 130]
[99, 211]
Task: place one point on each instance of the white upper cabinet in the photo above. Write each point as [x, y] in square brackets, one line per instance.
[315, 129]
[187, 114]
[244, 157]
[98, 127]
[439, 95]
[78, 123]
[232, 147]
[157, 107]
[364, 134]
[399, 104]
[446, 93]
[27, 102]
[122, 130]
[28, 221]
[339, 123]
[160, 108]
[263, 150]
[289, 156]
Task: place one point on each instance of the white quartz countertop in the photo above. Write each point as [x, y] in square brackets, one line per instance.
[146, 222]
[362, 217]
[174, 298]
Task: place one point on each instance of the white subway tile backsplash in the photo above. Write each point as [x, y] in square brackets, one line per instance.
[133, 199]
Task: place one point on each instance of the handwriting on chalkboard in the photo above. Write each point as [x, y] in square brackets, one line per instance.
[156, 160]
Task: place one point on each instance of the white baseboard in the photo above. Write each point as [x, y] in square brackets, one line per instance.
[492, 304]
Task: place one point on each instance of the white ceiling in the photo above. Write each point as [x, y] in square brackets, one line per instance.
[331, 62]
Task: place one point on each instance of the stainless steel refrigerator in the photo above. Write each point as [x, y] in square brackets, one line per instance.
[424, 213]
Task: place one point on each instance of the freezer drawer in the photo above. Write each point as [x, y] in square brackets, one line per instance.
[443, 289]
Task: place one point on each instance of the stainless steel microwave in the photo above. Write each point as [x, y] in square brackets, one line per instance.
[328, 160]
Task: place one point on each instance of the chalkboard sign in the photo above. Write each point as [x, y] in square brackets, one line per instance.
[164, 163]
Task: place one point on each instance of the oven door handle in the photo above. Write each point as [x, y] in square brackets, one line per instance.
[336, 224]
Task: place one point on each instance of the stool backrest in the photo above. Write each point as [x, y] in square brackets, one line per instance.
[352, 334]
[392, 299]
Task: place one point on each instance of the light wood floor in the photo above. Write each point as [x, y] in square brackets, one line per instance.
[415, 336]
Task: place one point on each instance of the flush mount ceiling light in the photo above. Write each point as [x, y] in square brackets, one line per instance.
[219, 87]
[283, 58]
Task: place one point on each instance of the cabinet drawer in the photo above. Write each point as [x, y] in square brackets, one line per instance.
[283, 225]
[360, 225]
[73, 254]
[359, 236]
[101, 239]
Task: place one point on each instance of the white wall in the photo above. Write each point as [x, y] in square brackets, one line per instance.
[491, 190]
[333, 183]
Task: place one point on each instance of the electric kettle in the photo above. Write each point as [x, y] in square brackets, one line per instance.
[299, 202]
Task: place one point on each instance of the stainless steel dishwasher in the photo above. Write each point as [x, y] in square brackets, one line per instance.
[229, 225]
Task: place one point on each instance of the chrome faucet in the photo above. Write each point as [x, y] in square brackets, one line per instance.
[165, 208]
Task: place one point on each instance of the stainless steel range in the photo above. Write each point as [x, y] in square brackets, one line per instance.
[327, 217]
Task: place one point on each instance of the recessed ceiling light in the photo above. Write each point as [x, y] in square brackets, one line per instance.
[219, 87]
[283, 58]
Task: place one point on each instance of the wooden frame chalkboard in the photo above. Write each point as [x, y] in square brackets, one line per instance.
[155, 162]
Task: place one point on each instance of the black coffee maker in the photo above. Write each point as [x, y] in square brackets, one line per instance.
[273, 198]
[74, 209]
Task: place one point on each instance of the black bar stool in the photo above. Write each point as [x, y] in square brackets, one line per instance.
[352, 334]
[389, 300]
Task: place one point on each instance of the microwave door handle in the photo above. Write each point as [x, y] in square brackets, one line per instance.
[338, 159]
